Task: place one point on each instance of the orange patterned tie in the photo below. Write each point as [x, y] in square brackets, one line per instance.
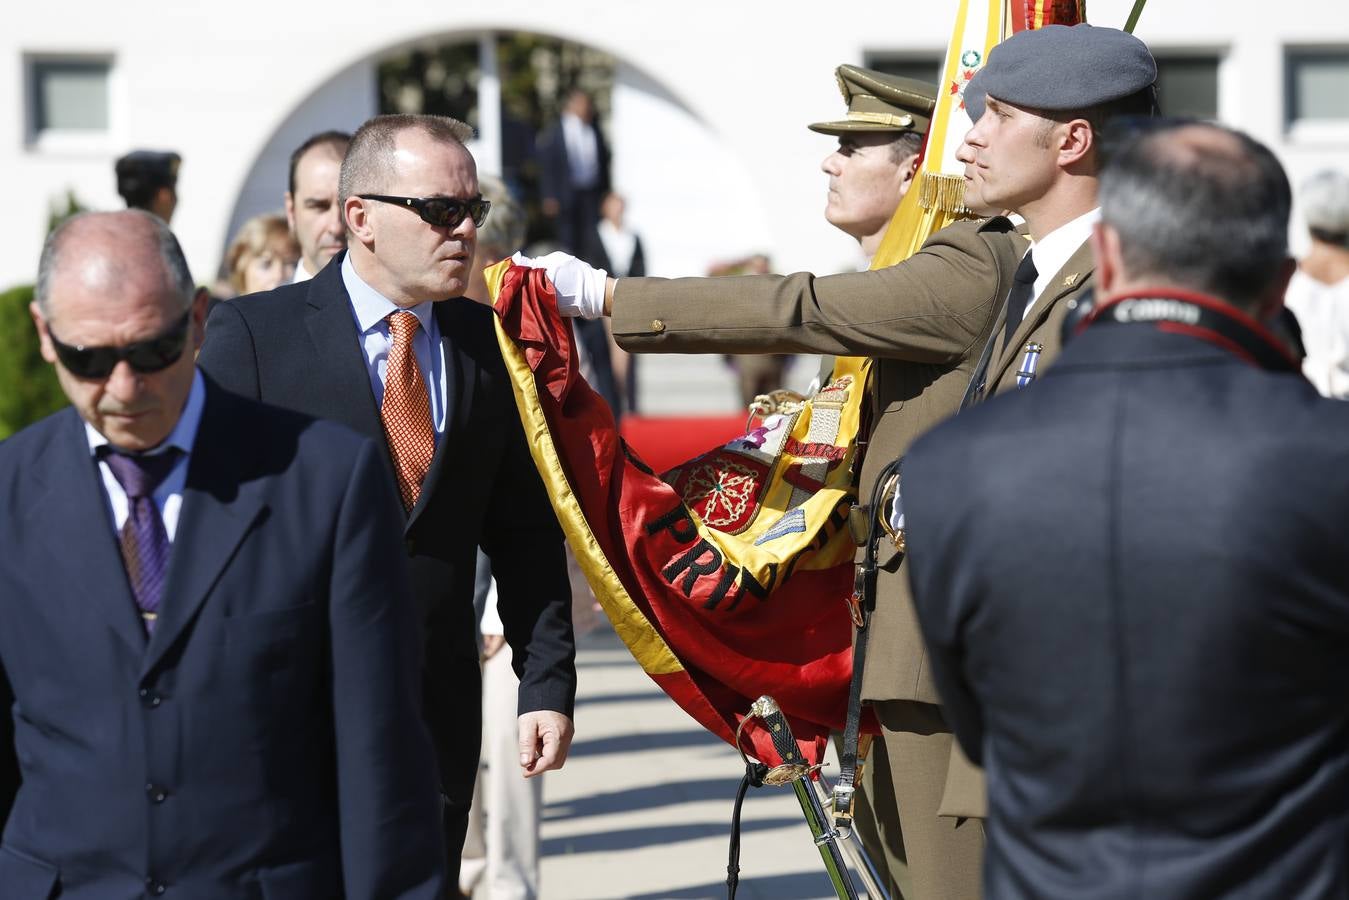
[406, 410]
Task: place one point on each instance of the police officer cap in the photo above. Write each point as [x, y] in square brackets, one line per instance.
[141, 171]
[880, 102]
[1063, 67]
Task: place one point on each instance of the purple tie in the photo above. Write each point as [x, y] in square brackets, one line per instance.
[145, 543]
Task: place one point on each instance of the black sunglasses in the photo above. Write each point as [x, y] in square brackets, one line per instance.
[442, 212]
[147, 356]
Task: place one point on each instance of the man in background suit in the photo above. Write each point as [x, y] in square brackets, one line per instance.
[311, 201]
[1140, 624]
[367, 343]
[227, 707]
[1032, 151]
[574, 175]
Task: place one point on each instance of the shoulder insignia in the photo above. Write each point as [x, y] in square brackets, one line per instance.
[1070, 280]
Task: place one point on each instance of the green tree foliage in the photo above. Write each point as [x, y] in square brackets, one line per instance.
[28, 386]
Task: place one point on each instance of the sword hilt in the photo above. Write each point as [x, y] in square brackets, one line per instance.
[793, 765]
[784, 742]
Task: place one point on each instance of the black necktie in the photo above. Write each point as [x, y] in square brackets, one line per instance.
[1023, 289]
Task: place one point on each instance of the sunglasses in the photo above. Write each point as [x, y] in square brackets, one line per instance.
[145, 357]
[442, 212]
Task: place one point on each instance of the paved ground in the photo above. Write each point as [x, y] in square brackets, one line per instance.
[643, 807]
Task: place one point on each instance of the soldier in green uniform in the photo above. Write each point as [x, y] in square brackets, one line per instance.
[880, 138]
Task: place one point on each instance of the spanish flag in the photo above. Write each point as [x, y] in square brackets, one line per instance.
[728, 576]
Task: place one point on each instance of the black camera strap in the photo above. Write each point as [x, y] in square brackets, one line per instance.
[865, 525]
[1200, 316]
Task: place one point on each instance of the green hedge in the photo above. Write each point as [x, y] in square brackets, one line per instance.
[28, 386]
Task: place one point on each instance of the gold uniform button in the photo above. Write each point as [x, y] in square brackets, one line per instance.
[657, 326]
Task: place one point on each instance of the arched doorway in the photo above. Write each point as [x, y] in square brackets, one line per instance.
[690, 196]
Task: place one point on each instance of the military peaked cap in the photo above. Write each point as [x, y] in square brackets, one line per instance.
[880, 102]
[143, 170]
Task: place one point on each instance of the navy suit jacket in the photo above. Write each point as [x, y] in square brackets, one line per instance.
[555, 168]
[297, 347]
[265, 741]
[1132, 581]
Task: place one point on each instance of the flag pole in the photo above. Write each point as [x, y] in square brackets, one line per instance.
[1134, 14]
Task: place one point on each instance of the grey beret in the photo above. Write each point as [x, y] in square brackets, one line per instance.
[974, 96]
[1063, 67]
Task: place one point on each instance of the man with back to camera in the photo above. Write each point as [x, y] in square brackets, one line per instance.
[368, 343]
[1033, 151]
[207, 666]
[1143, 634]
[312, 210]
[148, 180]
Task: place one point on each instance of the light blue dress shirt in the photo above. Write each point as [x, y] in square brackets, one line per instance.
[371, 309]
[168, 496]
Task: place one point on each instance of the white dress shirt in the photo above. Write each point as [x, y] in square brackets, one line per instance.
[1322, 311]
[1053, 251]
[370, 309]
[583, 152]
[620, 245]
[168, 496]
[301, 273]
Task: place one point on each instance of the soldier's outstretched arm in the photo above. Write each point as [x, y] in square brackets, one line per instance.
[930, 308]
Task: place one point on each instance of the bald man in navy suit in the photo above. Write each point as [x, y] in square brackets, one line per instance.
[209, 662]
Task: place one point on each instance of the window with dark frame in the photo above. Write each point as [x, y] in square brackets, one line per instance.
[1316, 82]
[1187, 85]
[68, 95]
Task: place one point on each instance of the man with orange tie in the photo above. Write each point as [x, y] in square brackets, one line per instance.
[369, 343]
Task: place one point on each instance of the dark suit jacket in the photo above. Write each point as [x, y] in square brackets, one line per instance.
[1131, 577]
[265, 741]
[578, 207]
[555, 170]
[297, 347]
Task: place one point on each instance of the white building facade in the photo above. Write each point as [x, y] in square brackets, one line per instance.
[709, 107]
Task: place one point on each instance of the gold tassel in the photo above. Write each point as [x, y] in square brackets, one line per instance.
[945, 193]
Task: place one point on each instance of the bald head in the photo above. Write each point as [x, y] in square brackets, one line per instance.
[1199, 206]
[116, 315]
[130, 250]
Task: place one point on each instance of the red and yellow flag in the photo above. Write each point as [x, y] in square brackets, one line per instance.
[725, 577]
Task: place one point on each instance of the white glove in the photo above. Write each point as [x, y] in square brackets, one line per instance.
[579, 285]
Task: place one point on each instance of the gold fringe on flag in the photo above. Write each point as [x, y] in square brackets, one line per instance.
[945, 193]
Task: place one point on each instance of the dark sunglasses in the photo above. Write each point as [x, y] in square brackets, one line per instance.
[147, 356]
[442, 212]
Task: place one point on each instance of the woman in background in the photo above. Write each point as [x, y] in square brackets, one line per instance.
[263, 254]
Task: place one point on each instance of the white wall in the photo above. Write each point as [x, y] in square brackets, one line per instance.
[715, 97]
[343, 103]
